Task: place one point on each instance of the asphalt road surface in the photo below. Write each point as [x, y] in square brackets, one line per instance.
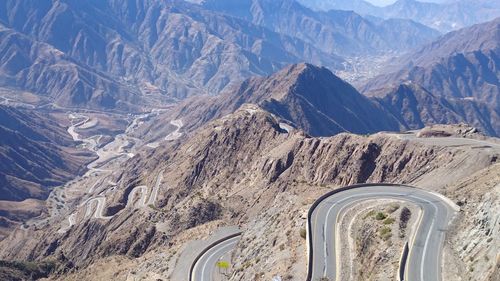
[451, 141]
[143, 193]
[424, 259]
[175, 134]
[205, 268]
[154, 192]
[99, 209]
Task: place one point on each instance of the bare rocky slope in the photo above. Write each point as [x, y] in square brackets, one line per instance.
[415, 107]
[27, 64]
[36, 155]
[239, 170]
[455, 78]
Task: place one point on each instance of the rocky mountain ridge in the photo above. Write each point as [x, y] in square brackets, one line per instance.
[304, 96]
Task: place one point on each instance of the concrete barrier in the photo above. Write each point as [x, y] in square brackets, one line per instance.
[402, 262]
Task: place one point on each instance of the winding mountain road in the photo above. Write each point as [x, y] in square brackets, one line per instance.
[154, 192]
[144, 196]
[449, 141]
[71, 220]
[111, 154]
[99, 209]
[175, 134]
[424, 258]
[205, 266]
[111, 151]
[97, 212]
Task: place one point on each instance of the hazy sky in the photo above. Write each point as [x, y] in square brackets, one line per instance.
[387, 2]
[381, 2]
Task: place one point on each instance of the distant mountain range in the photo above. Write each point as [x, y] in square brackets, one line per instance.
[125, 55]
[340, 32]
[452, 80]
[128, 55]
[458, 74]
[442, 16]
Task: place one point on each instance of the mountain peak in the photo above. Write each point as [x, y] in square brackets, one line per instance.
[295, 76]
[314, 99]
[309, 97]
[307, 70]
[303, 66]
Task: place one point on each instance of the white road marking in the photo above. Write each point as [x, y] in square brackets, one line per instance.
[223, 249]
[390, 195]
[424, 253]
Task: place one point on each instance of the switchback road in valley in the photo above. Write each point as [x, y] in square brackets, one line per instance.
[425, 247]
[94, 207]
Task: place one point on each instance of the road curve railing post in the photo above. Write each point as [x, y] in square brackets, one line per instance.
[206, 249]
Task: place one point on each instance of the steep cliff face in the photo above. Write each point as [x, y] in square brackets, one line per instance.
[478, 196]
